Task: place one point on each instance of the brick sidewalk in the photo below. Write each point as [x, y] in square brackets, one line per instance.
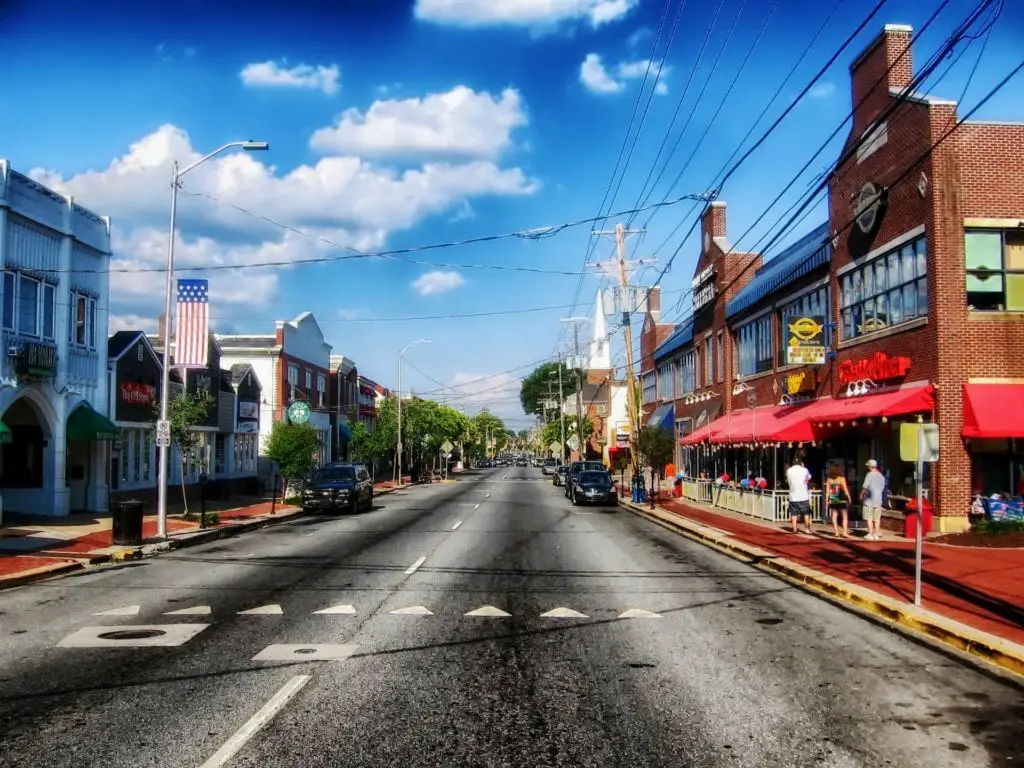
[980, 587]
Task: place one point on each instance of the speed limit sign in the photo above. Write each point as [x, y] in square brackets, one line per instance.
[163, 433]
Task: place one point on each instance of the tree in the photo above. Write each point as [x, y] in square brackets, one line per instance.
[657, 447]
[483, 426]
[429, 424]
[294, 447]
[552, 431]
[185, 410]
[368, 445]
[539, 386]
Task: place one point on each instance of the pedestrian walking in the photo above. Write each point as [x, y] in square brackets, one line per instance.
[838, 499]
[798, 479]
[872, 498]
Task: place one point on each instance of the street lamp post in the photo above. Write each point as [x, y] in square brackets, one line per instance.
[165, 380]
[398, 447]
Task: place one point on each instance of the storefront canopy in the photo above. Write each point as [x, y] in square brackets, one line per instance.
[697, 436]
[897, 402]
[767, 424]
[87, 425]
[993, 410]
[664, 417]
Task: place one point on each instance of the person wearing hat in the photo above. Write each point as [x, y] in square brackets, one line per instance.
[871, 495]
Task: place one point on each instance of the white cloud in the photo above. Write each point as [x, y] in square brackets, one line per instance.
[521, 13]
[344, 200]
[350, 313]
[498, 393]
[597, 78]
[459, 122]
[822, 90]
[304, 76]
[131, 323]
[437, 281]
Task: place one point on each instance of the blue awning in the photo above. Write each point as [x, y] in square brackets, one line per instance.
[344, 430]
[664, 417]
[682, 336]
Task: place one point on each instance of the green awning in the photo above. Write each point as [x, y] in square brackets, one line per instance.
[87, 425]
[6, 436]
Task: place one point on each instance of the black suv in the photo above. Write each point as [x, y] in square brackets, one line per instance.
[580, 466]
[343, 486]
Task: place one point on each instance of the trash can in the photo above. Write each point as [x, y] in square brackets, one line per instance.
[127, 517]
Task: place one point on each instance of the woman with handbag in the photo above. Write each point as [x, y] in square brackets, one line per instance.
[838, 500]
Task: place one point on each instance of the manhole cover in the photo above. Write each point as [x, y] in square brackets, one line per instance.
[305, 650]
[132, 634]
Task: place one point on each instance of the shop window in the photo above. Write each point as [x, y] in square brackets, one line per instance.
[28, 305]
[666, 390]
[995, 270]
[219, 448]
[650, 387]
[687, 382]
[309, 381]
[709, 360]
[721, 356]
[146, 451]
[321, 388]
[814, 303]
[754, 346]
[82, 325]
[126, 455]
[890, 289]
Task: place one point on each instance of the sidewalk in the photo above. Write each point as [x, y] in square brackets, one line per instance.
[978, 588]
[34, 548]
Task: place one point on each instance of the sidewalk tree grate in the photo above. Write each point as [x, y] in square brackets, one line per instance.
[132, 634]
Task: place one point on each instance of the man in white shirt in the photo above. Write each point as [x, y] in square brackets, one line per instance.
[798, 479]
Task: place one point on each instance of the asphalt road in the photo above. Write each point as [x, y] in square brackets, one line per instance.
[736, 669]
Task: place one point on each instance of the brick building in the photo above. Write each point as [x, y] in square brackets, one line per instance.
[919, 278]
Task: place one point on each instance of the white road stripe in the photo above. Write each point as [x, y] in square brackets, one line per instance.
[258, 721]
[415, 566]
[476, 506]
[455, 527]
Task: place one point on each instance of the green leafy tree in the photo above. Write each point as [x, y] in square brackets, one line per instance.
[481, 427]
[656, 446]
[294, 447]
[429, 424]
[386, 424]
[185, 410]
[552, 431]
[368, 445]
[540, 384]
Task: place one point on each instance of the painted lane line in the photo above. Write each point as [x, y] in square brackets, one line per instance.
[415, 566]
[487, 496]
[456, 526]
[476, 506]
[257, 722]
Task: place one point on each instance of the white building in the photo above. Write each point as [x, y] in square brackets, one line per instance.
[55, 256]
[293, 365]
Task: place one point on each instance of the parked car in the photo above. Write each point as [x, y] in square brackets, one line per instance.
[549, 466]
[593, 487]
[559, 475]
[522, 461]
[580, 466]
[341, 486]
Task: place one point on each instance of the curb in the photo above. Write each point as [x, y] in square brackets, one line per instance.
[186, 540]
[917, 623]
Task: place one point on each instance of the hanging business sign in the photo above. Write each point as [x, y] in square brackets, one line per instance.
[136, 393]
[805, 339]
[878, 367]
[703, 288]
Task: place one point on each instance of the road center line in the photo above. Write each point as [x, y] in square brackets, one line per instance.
[415, 566]
[258, 721]
[455, 527]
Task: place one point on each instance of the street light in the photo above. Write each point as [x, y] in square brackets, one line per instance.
[398, 451]
[164, 450]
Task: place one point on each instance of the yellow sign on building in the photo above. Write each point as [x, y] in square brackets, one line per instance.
[805, 339]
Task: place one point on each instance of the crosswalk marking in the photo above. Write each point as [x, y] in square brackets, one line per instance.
[563, 613]
[128, 610]
[264, 610]
[413, 610]
[639, 613]
[348, 609]
[488, 611]
[305, 652]
[195, 610]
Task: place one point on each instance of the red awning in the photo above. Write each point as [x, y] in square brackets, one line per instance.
[698, 436]
[897, 402]
[767, 424]
[993, 410]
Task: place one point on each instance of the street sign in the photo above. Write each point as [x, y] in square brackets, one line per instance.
[446, 447]
[554, 447]
[298, 412]
[163, 433]
[573, 442]
[929, 443]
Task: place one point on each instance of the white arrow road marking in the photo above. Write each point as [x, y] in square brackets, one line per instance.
[413, 610]
[639, 613]
[266, 713]
[195, 610]
[489, 611]
[348, 609]
[563, 613]
[310, 652]
[128, 610]
[415, 566]
[264, 610]
[456, 526]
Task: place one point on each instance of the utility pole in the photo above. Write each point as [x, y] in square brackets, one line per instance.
[561, 411]
[579, 376]
[620, 233]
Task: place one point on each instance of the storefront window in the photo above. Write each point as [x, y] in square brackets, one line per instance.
[650, 392]
[995, 270]
[687, 382]
[146, 451]
[754, 345]
[890, 289]
[219, 454]
[665, 389]
[126, 454]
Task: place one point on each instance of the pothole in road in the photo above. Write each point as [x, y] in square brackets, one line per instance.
[769, 622]
[132, 634]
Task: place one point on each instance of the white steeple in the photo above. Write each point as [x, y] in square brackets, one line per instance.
[600, 355]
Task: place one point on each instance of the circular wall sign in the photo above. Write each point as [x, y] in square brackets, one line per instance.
[298, 412]
[869, 200]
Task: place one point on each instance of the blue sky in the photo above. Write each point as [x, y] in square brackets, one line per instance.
[404, 123]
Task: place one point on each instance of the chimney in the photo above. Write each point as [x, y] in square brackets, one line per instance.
[654, 302]
[868, 78]
[712, 222]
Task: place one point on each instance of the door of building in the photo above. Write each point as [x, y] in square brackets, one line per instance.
[77, 469]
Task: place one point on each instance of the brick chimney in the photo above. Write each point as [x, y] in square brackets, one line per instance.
[654, 302]
[868, 78]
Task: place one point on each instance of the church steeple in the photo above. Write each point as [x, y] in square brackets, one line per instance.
[600, 354]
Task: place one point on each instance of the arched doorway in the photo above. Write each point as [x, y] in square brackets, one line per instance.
[22, 464]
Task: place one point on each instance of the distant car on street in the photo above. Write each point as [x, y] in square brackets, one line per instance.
[548, 466]
[559, 475]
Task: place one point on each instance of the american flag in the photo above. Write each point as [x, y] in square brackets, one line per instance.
[193, 323]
